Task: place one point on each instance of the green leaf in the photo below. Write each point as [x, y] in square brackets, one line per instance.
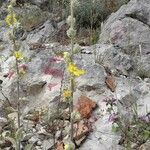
[109, 109]
[10, 110]
[28, 147]
[146, 134]
[115, 127]
[10, 139]
[19, 134]
[6, 134]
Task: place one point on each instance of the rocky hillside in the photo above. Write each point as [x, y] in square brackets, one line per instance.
[117, 72]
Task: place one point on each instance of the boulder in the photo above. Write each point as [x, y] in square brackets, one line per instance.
[145, 146]
[142, 66]
[129, 27]
[31, 16]
[41, 34]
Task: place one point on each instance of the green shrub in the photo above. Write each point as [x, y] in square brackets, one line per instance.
[88, 12]
[92, 12]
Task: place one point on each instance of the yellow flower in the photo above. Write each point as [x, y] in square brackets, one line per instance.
[69, 146]
[75, 115]
[66, 57]
[74, 70]
[11, 19]
[67, 94]
[22, 72]
[18, 55]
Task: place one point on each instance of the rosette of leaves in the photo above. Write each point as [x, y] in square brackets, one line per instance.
[16, 139]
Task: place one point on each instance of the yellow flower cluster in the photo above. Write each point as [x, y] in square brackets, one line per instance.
[74, 70]
[18, 55]
[22, 71]
[67, 94]
[11, 19]
[69, 146]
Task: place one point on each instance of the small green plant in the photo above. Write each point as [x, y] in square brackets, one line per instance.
[136, 130]
[18, 70]
[74, 72]
[15, 140]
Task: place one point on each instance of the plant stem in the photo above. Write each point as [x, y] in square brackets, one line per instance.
[71, 109]
[72, 78]
[18, 90]
[18, 93]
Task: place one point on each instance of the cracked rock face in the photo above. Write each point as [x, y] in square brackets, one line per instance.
[129, 27]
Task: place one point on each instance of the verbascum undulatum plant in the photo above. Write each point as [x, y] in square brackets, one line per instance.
[13, 24]
[73, 71]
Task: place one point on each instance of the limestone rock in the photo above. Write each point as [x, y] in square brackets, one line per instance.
[129, 27]
[145, 146]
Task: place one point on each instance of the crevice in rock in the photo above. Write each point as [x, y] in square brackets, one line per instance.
[135, 17]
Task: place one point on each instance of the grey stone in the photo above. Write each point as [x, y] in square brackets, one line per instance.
[33, 139]
[3, 121]
[47, 144]
[142, 66]
[126, 107]
[114, 58]
[39, 143]
[129, 27]
[145, 146]
[27, 136]
[102, 137]
[94, 76]
[38, 2]
[41, 34]
[31, 16]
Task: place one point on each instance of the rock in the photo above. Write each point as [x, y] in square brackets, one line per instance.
[38, 2]
[33, 139]
[31, 16]
[81, 130]
[9, 87]
[145, 146]
[39, 143]
[3, 12]
[126, 107]
[35, 82]
[14, 117]
[3, 122]
[114, 58]
[8, 64]
[111, 83]
[102, 137]
[58, 134]
[35, 86]
[142, 66]
[42, 131]
[85, 106]
[60, 146]
[41, 34]
[28, 125]
[38, 148]
[79, 142]
[94, 77]
[141, 90]
[27, 137]
[129, 27]
[47, 144]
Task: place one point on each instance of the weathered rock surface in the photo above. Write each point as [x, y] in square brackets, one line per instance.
[129, 27]
[118, 52]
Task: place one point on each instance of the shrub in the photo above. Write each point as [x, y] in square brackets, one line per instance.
[87, 12]
[92, 12]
